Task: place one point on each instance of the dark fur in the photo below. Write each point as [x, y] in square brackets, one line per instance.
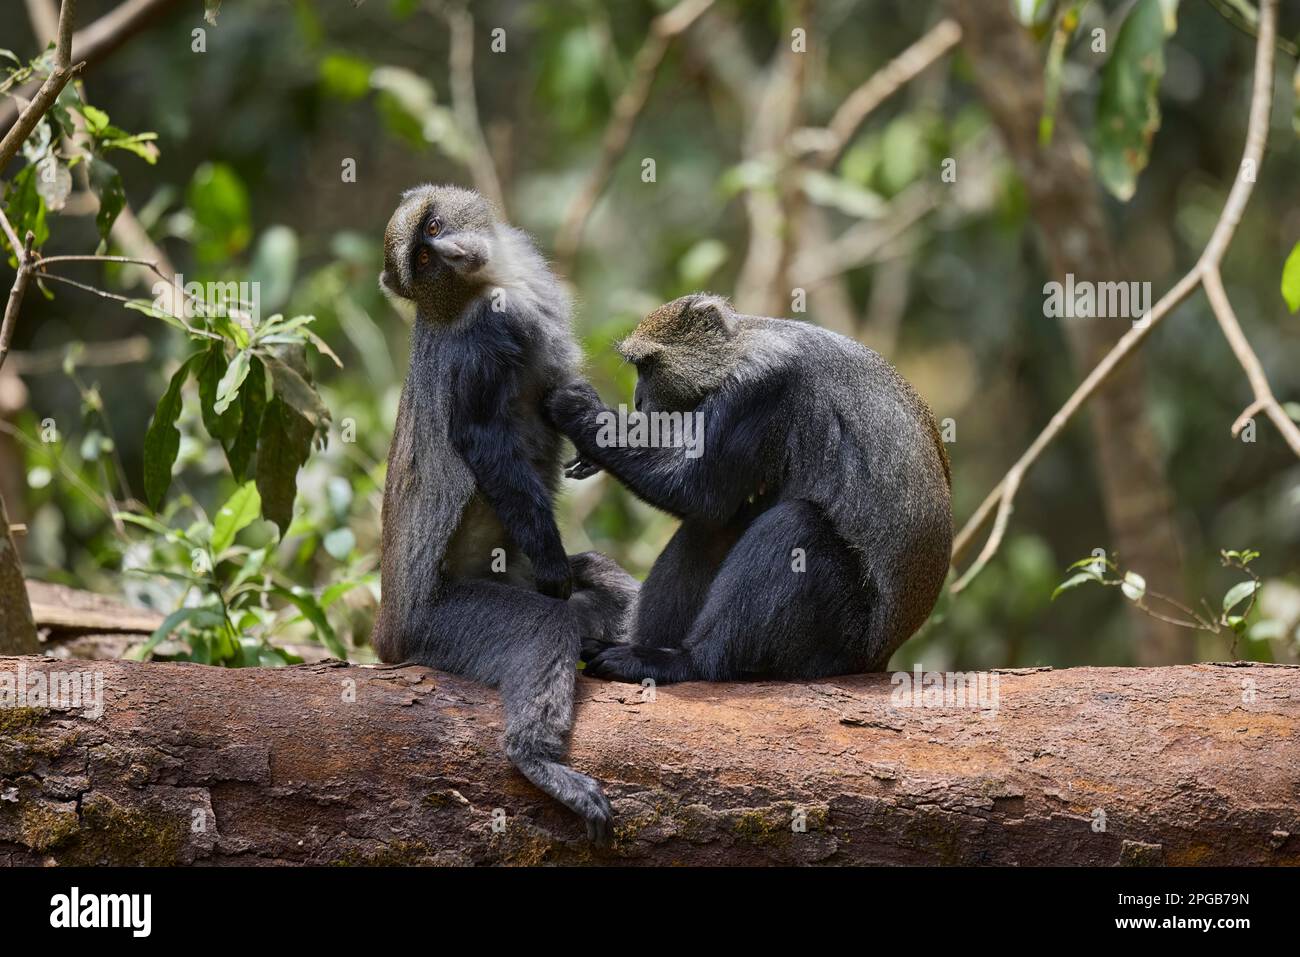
[812, 441]
[473, 468]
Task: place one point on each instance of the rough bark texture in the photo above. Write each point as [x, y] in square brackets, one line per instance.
[17, 630]
[330, 763]
[1065, 205]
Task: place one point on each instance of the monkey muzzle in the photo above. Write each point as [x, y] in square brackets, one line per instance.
[464, 255]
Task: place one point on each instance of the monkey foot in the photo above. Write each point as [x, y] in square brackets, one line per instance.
[635, 663]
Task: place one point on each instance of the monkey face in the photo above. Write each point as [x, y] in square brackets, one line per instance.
[682, 351]
[438, 237]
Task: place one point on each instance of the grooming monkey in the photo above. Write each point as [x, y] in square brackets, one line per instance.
[472, 472]
[816, 525]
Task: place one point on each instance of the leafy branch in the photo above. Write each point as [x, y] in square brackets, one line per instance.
[1100, 570]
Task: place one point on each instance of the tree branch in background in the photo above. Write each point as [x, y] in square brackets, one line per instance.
[49, 90]
[25, 268]
[96, 355]
[464, 102]
[883, 84]
[95, 41]
[1205, 272]
[773, 209]
[645, 67]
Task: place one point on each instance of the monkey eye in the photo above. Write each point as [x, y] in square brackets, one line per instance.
[434, 227]
[423, 257]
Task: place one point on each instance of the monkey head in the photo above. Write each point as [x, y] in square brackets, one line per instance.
[682, 351]
[436, 245]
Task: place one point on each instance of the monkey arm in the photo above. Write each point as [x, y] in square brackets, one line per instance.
[735, 460]
[481, 431]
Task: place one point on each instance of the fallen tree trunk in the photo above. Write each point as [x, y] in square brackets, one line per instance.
[330, 763]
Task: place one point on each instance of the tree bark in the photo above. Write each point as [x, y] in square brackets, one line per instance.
[17, 630]
[331, 763]
[1064, 202]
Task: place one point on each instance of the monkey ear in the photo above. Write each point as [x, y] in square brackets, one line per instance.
[716, 311]
[638, 349]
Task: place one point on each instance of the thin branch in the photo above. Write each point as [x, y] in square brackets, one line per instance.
[15, 300]
[46, 260]
[1264, 399]
[464, 101]
[8, 228]
[1126, 345]
[1006, 504]
[88, 355]
[44, 16]
[883, 84]
[1205, 272]
[50, 89]
[98, 39]
[645, 67]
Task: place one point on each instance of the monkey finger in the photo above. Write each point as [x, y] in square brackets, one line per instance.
[580, 469]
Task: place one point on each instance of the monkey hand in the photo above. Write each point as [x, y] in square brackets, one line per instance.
[579, 468]
[566, 403]
[554, 577]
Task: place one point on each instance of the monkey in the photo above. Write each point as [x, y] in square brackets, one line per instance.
[475, 579]
[816, 524]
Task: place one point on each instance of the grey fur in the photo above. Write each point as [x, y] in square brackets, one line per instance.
[824, 447]
[443, 605]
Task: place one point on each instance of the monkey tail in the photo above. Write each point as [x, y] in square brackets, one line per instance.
[526, 645]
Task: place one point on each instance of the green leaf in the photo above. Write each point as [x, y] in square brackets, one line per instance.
[344, 77]
[223, 425]
[163, 440]
[1239, 593]
[275, 262]
[1092, 565]
[1066, 23]
[336, 591]
[106, 183]
[312, 611]
[1134, 586]
[219, 202]
[228, 387]
[141, 144]
[283, 444]
[239, 511]
[96, 119]
[339, 542]
[290, 386]
[147, 307]
[1074, 581]
[1291, 279]
[252, 405]
[701, 261]
[1128, 107]
[850, 198]
[26, 209]
[144, 521]
[1032, 13]
[201, 617]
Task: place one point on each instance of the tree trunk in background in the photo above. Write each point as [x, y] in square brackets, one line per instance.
[17, 631]
[1066, 207]
[330, 763]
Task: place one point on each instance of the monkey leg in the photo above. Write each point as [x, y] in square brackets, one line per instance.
[678, 584]
[608, 593]
[787, 602]
[526, 645]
